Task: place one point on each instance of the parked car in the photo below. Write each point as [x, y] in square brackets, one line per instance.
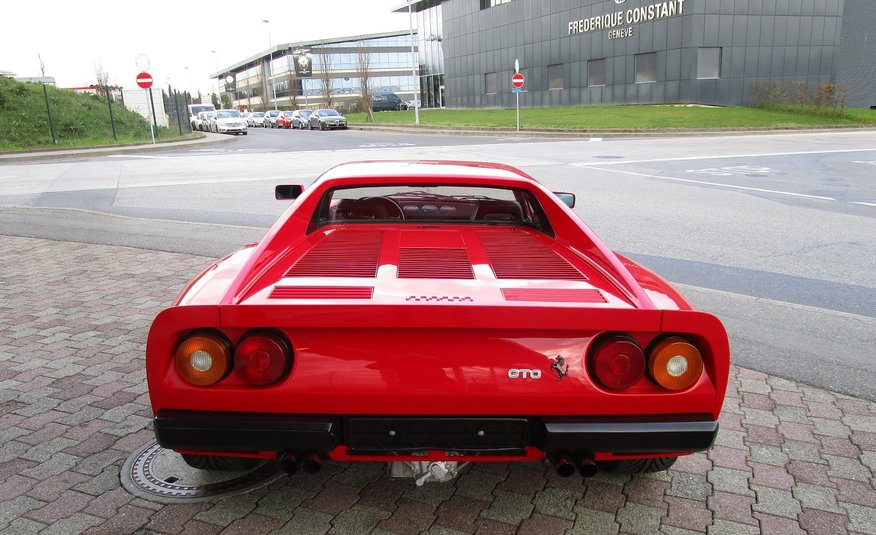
[300, 117]
[269, 120]
[204, 119]
[326, 118]
[429, 314]
[387, 102]
[194, 110]
[257, 118]
[284, 120]
[228, 122]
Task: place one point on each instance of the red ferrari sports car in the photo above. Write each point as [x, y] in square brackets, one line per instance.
[429, 314]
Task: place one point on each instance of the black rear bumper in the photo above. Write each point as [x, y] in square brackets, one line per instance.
[387, 435]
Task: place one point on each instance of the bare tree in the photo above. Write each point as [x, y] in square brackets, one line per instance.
[325, 67]
[102, 78]
[363, 68]
[266, 88]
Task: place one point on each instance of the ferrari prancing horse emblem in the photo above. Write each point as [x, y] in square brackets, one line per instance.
[558, 367]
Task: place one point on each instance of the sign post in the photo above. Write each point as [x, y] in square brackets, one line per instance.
[517, 82]
[144, 80]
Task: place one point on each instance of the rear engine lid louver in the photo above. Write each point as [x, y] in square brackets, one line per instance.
[559, 295]
[322, 292]
[348, 253]
[518, 255]
[433, 263]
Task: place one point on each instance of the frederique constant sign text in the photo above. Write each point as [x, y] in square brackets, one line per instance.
[613, 22]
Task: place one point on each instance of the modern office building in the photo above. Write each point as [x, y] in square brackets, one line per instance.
[325, 73]
[572, 52]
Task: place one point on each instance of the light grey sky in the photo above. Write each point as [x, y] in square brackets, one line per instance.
[74, 37]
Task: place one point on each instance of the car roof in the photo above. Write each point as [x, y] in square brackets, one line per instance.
[424, 168]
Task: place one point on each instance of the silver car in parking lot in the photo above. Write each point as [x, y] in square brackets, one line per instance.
[325, 119]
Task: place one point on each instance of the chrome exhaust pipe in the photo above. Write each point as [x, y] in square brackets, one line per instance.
[289, 463]
[312, 464]
[587, 466]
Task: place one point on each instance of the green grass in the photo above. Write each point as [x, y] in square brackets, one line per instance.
[601, 118]
[80, 120]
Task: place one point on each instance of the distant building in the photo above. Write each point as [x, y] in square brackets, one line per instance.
[575, 52]
[312, 73]
[48, 80]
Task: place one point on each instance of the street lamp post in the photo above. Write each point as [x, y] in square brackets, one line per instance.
[216, 65]
[270, 66]
[414, 69]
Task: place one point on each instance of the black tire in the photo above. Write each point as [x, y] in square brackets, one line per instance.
[322, 126]
[638, 466]
[220, 464]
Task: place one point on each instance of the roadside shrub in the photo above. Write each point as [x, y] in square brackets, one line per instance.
[823, 98]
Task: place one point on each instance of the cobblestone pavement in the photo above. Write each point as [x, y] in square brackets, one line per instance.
[73, 405]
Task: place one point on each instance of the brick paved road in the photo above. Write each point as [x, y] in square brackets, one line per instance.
[73, 405]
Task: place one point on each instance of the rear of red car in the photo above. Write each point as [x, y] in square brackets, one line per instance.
[521, 348]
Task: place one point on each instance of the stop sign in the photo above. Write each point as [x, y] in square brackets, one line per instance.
[517, 80]
[144, 80]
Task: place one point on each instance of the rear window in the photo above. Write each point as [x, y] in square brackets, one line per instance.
[431, 204]
[198, 109]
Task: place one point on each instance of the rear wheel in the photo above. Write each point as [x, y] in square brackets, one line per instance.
[220, 464]
[638, 466]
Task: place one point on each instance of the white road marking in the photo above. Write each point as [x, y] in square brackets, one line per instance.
[865, 163]
[716, 157]
[866, 203]
[718, 184]
[595, 139]
[729, 171]
[143, 156]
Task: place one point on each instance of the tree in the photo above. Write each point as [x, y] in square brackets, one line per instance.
[325, 67]
[363, 67]
[102, 78]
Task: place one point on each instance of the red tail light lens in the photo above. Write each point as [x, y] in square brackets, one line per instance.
[617, 362]
[203, 358]
[262, 359]
[675, 364]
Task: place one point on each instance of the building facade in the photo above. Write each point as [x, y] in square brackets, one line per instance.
[721, 52]
[327, 73]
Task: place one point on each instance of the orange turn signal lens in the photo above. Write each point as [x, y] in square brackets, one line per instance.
[675, 364]
[203, 359]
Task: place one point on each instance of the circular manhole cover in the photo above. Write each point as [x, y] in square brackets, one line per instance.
[159, 475]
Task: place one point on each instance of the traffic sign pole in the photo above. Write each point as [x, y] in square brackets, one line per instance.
[144, 80]
[517, 82]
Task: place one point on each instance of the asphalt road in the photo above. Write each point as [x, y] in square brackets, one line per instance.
[773, 233]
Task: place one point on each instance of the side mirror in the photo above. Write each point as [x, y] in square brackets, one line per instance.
[287, 192]
[567, 198]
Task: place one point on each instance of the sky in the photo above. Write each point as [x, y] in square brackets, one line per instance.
[177, 38]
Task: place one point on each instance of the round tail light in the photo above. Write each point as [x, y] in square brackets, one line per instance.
[617, 362]
[262, 359]
[675, 364]
[203, 359]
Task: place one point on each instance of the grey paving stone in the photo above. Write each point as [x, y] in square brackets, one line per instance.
[282, 502]
[509, 507]
[106, 480]
[772, 455]
[593, 522]
[690, 486]
[731, 439]
[830, 428]
[788, 413]
[776, 502]
[815, 497]
[846, 468]
[728, 480]
[357, 519]
[861, 519]
[434, 530]
[23, 526]
[759, 417]
[803, 451]
[95, 464]
[228, 510]
[306, 522]
[12, 509]
[640, 519]
[478, 484]
[58, 463]
[74, 525]
[557, 502]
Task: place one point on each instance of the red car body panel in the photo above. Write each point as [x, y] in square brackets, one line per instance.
[404, 339]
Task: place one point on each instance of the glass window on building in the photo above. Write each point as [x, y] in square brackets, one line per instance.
[646, 68]
[596, 72]
[556, 79]
[708, 63]
[492, 3]
[491, 83]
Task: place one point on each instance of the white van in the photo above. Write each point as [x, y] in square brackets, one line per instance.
[195, 109]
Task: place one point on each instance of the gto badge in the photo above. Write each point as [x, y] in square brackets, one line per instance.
[515, 373]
